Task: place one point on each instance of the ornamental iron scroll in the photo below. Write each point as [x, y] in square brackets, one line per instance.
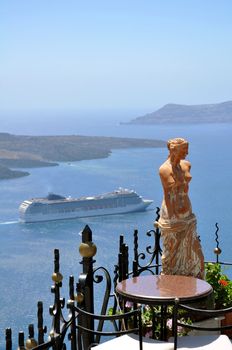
[85, 288]
[153, 253]
[217, 249]
[64, 329]
[63, 332]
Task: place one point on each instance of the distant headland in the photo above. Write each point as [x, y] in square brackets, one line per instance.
[18, 151]
[188, 114]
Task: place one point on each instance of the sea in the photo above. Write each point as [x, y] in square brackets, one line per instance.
[26, 250]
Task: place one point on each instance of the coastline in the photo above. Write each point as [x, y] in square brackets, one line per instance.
[18, 151]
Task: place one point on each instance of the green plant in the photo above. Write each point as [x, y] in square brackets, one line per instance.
[153, 314]
[149, 314]
[222, 285]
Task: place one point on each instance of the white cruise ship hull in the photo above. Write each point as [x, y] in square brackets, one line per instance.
[82, 214]
[117, 202]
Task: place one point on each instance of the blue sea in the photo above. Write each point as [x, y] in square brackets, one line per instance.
[26, 253]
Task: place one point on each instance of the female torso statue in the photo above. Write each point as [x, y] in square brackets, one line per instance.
[182, 252]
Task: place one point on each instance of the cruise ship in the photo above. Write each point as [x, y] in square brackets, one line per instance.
[56, 207]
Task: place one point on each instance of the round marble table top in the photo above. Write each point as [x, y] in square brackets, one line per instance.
[163, 288]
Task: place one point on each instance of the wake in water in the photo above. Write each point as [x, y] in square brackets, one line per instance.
[9, 222]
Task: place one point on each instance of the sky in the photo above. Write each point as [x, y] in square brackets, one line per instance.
[70, 55]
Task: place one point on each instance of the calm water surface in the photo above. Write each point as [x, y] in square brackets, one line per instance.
[26, 253]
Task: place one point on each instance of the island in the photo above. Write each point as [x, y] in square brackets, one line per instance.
[6, 173]
[23, 151]
[188, 114]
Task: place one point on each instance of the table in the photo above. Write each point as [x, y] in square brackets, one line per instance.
[163, 289]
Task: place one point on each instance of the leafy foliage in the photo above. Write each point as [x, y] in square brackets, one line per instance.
[222, 285]
[151, 317]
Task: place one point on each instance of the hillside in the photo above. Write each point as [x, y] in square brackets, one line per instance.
[176, 114]
[17, 151]
[6, 173]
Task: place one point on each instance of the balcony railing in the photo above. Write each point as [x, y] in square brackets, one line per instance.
[63, 331]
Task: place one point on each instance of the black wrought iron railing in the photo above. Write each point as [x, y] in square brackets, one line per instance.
[63, 331]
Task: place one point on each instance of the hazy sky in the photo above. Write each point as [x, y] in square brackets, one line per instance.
[114, 54]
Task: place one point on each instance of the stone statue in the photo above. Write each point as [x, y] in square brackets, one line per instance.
[182, 253]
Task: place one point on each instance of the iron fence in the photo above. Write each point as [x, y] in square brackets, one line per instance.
[63, 332]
